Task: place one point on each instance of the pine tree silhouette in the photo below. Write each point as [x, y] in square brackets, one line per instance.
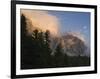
[59, 56]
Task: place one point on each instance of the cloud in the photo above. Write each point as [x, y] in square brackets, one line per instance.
[79, 35]
[41, 20]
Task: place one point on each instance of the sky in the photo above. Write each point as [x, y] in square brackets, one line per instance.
[60, 22]
[74, 22]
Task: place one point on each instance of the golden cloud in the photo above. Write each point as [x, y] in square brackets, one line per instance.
[41, 20]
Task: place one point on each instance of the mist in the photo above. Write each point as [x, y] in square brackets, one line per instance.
[41, 20]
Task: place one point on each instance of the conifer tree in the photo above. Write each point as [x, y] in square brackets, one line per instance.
[59, 56]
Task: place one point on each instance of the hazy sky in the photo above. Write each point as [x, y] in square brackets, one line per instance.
[74, 22]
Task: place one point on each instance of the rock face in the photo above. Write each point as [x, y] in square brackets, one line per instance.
[74, 45]
[71, 45]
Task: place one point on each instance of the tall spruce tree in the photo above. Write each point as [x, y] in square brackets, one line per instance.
[26, 44]
[47, 49]
[59, 56]
[29, 47]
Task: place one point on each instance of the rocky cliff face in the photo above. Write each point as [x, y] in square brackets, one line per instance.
[71, 45]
